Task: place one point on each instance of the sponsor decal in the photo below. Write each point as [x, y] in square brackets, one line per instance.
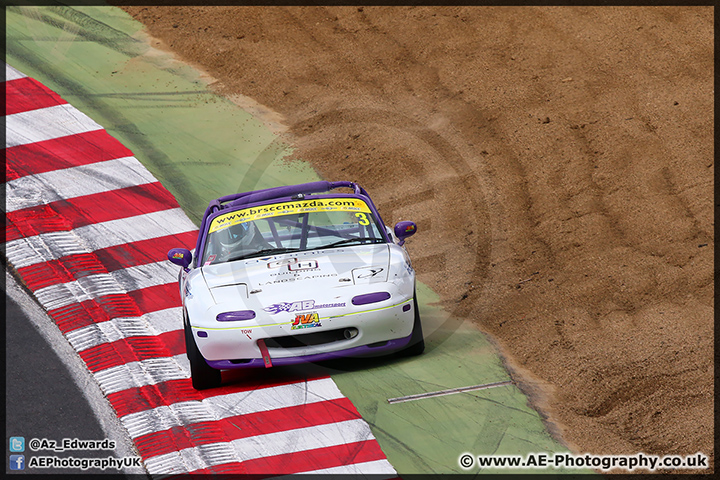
[293, 264]
[282, 273]
[307, 265]
[290, 307]
[282, 280]
[409, 268]
[299, 306]
[410, 228]
[178, 255]
[306, 320]
[371, 273]
[282, 263]
[287, 208]
[306, 277]
[210, 259]
[296, 277]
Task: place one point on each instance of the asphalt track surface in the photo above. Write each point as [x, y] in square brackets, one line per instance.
[474, 421]
[50, 394]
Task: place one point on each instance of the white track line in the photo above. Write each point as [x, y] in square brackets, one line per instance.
[268, 445]
[73, 182]
[449, 391]
[224, 406]
[113, 330]
[58, 121]
[191, 459]
[44, 247]
[12, 74]
[99, 285]
[143, 373]
[300, 439]
[377, 467]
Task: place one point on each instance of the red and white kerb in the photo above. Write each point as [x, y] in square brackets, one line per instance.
[87, 230]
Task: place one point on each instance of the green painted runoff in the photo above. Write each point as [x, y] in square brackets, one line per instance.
[199, 145]
[202, 146]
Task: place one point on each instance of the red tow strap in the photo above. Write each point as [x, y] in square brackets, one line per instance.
[265, 353]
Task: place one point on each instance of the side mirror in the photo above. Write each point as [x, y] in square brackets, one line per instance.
[180, 256]
[403, 230]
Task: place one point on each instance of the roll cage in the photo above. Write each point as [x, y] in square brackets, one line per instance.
[289, 193]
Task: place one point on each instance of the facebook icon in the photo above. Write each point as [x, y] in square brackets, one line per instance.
[17, 462]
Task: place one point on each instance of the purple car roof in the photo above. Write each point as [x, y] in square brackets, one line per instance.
[285, 193]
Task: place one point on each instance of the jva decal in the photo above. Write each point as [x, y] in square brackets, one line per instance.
[306, 320]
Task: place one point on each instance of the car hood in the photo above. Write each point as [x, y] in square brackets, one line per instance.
[271, 278]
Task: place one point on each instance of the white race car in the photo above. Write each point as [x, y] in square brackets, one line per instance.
[295, 274]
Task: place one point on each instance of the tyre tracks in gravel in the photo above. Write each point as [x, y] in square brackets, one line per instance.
[441, 198]
[590, 128]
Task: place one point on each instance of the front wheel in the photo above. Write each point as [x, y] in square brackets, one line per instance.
[203, 375]
[417, 342]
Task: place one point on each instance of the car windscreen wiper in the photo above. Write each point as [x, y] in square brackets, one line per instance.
[260, 253]
[350, 240]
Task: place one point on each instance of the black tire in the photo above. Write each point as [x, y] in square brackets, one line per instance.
[417, 341]
[203, 375]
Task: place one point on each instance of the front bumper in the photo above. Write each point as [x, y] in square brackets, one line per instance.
[364, 350]
[385, 327]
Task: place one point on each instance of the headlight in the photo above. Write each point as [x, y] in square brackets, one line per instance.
[370, 298]
[235, 316]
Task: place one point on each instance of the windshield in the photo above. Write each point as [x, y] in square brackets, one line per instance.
[292, 226]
